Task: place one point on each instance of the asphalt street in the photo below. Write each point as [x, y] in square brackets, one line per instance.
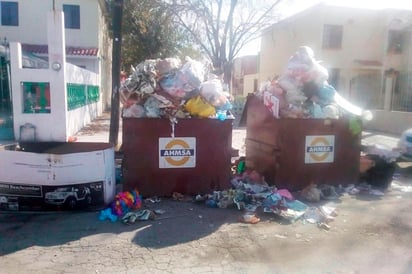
[370, 234]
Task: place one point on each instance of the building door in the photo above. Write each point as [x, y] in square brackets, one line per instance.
[6, 110]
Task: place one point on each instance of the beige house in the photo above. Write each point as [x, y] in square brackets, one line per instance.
[368, 54]
[245, 67]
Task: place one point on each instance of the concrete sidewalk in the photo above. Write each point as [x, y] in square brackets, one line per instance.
[98, 130]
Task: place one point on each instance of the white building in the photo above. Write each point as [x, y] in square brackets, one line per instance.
[77, 41]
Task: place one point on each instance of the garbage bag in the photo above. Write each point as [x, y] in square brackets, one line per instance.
[134, 111]
[212, 91]
[167, 65]
[380, 175]
[198, 106]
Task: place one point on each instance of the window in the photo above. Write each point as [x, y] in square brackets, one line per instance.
[332, 37]
[395, 38]
[9, 13]
[71, 16]
[36, 97]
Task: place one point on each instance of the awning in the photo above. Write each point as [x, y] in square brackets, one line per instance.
[72, 51]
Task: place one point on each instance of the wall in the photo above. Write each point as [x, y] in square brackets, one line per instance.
[242, 66]
[49, 126]
[64, 123]
[394, 122]
[32, 27]
[80, 117]
[88, 63]
[59, 124]
[362, 28]
[249, 84]
[93, 32]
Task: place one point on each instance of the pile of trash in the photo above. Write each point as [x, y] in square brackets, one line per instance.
[165, 88]
[123, 203]
[303, 91]
[252, 196]
[127, 206]
[250, 193]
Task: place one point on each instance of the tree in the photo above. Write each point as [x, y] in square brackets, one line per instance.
[149, 32]
[222, 28]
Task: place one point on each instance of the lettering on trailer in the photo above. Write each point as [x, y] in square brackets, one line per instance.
[319, 149]
[177, 152]
[20, 190]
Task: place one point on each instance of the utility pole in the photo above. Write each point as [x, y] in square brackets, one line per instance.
[117, 11]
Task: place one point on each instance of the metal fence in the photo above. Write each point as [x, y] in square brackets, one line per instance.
[402, 93]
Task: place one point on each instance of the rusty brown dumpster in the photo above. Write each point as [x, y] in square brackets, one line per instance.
[293, 153]
[195, 161]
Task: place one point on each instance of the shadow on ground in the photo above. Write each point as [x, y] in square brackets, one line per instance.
[185, 222]
[182, 222]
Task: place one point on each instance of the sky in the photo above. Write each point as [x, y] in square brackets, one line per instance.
[299, 5]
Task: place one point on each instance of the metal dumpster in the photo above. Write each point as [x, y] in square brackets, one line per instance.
[195, 161]
[292, 153]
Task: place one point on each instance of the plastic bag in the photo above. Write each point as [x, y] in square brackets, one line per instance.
[182, 82]
[134, 111]
[212, 91]
[142, 80]
[326, 94]
[193, 73]
[167, 65]
[198, 106]
[152, 107]
[173, 85]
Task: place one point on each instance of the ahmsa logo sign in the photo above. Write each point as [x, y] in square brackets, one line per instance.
[177, 152]
[319, 149]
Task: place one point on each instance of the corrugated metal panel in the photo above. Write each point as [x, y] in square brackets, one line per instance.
[277, 148]
[141, 147]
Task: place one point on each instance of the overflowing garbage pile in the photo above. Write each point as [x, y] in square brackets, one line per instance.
[303, 91]
[251, 194]
[166, 88]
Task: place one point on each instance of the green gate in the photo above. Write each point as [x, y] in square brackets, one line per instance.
[6, 110]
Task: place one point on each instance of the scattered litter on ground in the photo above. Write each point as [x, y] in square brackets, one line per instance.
[249, 218]
[153, 200]
[140, 215]
[123, 203]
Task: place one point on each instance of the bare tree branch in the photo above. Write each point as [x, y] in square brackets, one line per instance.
[222, 27]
